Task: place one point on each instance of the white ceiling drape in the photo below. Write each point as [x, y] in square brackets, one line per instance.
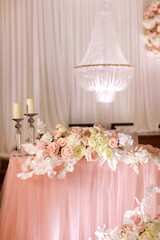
[40, 43]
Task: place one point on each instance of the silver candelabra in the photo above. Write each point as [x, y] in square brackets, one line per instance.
[31, 126]
[18, 136]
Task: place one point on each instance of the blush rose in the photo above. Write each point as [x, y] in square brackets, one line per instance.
[53, 148]
[112, 142]
[61, 142]
[67, 152]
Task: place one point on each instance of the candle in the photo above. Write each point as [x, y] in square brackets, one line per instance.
[16, 111]
[30, 106]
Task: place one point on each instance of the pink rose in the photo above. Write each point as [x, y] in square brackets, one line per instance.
[151, 35]
[91, 155]
[85, 141]
[94, 155]
[136, 218]
[87, 133]
[158, 30]
[149, 47]
[61, 142]
[140, 228]
[40, 144]
[112, 142]
[57, 134]
[150, 13]
[127, 228]
[98, 127]
[53, 148]
[146, 16]
[67, 152]
[153, 8]
[76, 130]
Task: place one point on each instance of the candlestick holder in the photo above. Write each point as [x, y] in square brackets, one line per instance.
[18, 136]
[31, 127]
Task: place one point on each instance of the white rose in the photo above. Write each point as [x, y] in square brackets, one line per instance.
[145, 39]
[156, 41]
[47, 137]
[157, 18]
[149, 24]
[72, 141]
[147, 218]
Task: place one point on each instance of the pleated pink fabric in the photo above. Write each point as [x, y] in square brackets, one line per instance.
[71, 209]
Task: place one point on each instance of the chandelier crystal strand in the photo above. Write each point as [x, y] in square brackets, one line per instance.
[104, 69]
[105, 96]
[105, 114]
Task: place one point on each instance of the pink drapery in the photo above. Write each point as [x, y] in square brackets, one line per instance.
[71, 209]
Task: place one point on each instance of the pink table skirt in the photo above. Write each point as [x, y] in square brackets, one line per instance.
[71, 209]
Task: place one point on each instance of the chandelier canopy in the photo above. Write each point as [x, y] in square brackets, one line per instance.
[104, 69]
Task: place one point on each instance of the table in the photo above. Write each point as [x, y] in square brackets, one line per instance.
[150, 138]
[40, 208]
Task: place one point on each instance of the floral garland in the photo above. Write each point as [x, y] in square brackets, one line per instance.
[65, 148]
[151, 23]
[137, 224]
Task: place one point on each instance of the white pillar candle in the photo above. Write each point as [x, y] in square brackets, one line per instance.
[30, 106]
[16, 111]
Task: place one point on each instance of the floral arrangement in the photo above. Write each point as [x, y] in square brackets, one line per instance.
[65, 148]
[151, 23]
[137, 224]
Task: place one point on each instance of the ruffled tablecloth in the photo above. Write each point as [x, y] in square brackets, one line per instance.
[40, 208]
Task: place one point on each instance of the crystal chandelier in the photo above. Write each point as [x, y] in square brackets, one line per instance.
[104, 69]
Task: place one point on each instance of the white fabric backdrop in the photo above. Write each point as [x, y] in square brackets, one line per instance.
[41, 41]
